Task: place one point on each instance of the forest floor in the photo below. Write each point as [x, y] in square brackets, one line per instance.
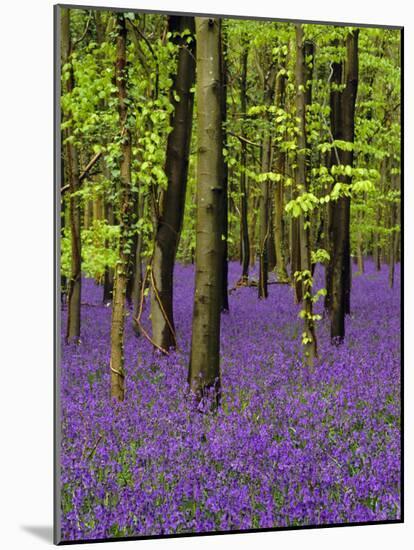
[288, 446]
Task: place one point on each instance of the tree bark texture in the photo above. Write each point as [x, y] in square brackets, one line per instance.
[264, 217]
[125, 206]
[309, 335]
[244, 226]
[137, 279]
[225, 173]
[336, 132]
[280, 160]
[204, 368]
[171, 213]
[73, 329]
[109, 271]
[341, 265]
[253, 232]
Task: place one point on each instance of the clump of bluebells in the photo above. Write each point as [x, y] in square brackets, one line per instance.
[290, 445]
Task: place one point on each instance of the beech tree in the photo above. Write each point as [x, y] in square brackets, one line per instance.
[304, 275]
[244, 226]
[267, 78]
[225, 172]
[279, 168]
[73, 330]
[171, 209]
[204, 369]
[125, 209]
[341, 269]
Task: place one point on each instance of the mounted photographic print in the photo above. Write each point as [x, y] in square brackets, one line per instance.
[228, 274]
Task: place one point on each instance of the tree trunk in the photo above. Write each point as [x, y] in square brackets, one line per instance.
[225, 174]
[295, 257]
[341, 268]
[244, 227]
[309, 335]
[63, 278]
[137, 280]
[393, 243]
[204, 368]
[75, 281]
[97, 209]
[264, 220]
[172, 203]
[377, 243]
[109, 271]
[268, 82]
[134, 241]
[359, 251]
[87, 214]
[336, 132]
[252, 231]
[296, 224]
[125, 204]
[280, 160]
[63, 223]
[391, 267]
[380, 212]
[107, 207]
[271, 250]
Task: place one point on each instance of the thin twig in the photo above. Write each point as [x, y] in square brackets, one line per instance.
[93, 161]
[137, 319]
[241, 138]
[328, 126]
[85, 171]
[164, 313]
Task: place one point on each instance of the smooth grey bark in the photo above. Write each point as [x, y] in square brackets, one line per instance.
[204, 368]
[225, 174]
